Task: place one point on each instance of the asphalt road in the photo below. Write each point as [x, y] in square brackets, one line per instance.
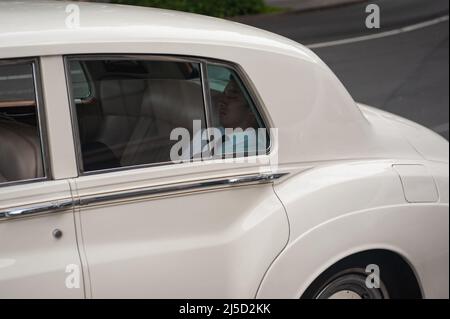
[406, 74]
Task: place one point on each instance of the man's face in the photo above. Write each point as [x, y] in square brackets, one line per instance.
[233, 107]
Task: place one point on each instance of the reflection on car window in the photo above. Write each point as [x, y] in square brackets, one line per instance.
[20, 144]
[16, 83]
[80, 84]
[218, 77]
[135, 107]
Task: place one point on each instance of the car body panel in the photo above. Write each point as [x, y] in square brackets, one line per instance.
[422, 243]
[427, 143]
[57, 114]
[418, 184]
[184, 244]
[328, 215]
[33, 263]
[368, 200]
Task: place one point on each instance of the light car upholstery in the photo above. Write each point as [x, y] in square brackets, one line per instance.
[20, 150]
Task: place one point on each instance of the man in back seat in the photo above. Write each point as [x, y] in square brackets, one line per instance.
[237, 126]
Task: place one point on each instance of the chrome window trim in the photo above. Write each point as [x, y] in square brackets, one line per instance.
[202, 61]
[36, 209]
[180, 188]
[41, 120]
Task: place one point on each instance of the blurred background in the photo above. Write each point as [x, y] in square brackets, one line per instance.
[402, 67]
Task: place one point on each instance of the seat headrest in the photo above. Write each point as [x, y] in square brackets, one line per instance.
[174, 102]
[20, 152]
[121, 96]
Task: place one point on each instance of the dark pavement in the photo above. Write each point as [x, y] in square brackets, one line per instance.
[407, 73]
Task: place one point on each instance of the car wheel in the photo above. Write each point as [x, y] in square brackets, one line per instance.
[350, 284]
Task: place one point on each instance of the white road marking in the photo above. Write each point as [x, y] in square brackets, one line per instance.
[410, 28]
[441, 128]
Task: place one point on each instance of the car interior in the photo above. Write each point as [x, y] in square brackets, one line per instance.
[20, 145]
[117, 119]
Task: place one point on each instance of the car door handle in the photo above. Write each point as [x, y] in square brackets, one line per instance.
[37, 209]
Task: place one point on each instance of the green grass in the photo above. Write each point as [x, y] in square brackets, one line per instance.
[216, 8]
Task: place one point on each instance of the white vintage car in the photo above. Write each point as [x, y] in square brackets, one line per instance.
[111, 186]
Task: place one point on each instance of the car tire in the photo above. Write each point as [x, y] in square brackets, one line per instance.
[348, 277]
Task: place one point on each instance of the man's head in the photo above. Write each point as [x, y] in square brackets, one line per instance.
[234, 111]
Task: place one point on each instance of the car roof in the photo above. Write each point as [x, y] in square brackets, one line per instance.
[38, 23]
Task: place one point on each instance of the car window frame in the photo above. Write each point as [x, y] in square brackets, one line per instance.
[207, 103]
[41, 120]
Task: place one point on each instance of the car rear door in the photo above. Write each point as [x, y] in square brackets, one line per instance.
[152, 228]
[38, 252]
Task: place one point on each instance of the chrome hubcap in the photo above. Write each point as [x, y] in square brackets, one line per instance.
[345, 294]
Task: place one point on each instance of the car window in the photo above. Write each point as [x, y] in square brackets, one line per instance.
[135, 106]
[21, 155]
[80, 84]
[233, 112]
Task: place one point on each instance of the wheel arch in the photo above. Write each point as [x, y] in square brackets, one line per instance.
[414, 233]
